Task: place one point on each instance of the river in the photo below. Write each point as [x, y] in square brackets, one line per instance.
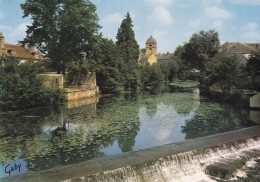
[44, 138]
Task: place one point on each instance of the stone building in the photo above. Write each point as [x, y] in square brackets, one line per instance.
[149, 53]
[165, 57]
[242, 50]
[18, 51]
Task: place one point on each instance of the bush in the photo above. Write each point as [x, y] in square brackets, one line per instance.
[21, 87]
[220, 74]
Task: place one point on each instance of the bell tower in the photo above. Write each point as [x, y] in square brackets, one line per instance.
[151, 46]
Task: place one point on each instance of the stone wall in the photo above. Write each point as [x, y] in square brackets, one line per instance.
[53, 80]
[255, 101]
[75, 94]
[87, 80]
[82, 87]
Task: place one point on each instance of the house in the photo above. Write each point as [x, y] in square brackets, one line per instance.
[243, 50]
[18, 51]
[165, 57]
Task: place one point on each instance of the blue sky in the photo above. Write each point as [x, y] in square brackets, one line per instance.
[171, 22]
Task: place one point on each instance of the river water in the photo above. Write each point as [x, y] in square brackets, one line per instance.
[44, 138]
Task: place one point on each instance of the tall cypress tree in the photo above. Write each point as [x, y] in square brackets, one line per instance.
[129, 49]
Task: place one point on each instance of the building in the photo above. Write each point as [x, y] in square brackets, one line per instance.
[243, 50]
[18, 51]
[149, 53]
[165, 57]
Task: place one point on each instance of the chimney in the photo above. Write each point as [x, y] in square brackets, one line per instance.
[12, 52]
[2, 41]
[33, 51]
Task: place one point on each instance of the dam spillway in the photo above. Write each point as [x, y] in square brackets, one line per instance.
[226, 156]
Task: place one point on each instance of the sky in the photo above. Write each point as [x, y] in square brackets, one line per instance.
[171, 22]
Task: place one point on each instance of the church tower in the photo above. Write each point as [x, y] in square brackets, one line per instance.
[151, 46]
[149, 54]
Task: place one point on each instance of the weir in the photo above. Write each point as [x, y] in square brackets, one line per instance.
[231, 155]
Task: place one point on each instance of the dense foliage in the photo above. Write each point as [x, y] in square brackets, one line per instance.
[129, 51]
[220, 73]
[253, 68]
[118, 69]
[63, 30]
[21, 86]
[200, 49]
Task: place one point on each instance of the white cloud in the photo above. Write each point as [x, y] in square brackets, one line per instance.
[251, 32]
[194, 23]
[132, 15]
[159, 34]
[216, 12]
[13, 35]
[4, 27]
[160, 2]
[217, 24]
[1, 15]
[246, 2]
[211, 2]
[19, 30]
[161, 15]
[112, 19]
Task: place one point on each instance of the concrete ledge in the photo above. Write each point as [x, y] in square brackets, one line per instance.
[137, 157]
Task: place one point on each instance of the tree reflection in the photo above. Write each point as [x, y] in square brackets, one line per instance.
[69, 135]
[211, 118]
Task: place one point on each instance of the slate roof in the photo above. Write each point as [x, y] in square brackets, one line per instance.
[255, 45]
[151, 40]
[165, 57]
[142, 51]
[237, 47]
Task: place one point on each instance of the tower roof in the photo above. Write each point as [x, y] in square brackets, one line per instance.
[151, 40]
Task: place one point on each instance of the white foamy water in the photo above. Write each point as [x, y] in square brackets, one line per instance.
[184, 167]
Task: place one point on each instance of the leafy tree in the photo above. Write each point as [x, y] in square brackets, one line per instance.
[129, 51]
[220, 74]
[151, 75]
[201, 47]
[62, 30]
[169, 69]
[109, 77]
[20, 86]
[253, 68]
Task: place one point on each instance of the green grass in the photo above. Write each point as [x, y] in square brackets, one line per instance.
[185, 83]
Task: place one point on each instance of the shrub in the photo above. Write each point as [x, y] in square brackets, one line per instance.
[20, 86]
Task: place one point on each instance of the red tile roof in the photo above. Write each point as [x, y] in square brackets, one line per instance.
[20, 51]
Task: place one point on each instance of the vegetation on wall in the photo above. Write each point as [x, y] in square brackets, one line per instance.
[21, 86]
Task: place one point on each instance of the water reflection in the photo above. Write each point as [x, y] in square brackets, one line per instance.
[49, 137]
[211, 118]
